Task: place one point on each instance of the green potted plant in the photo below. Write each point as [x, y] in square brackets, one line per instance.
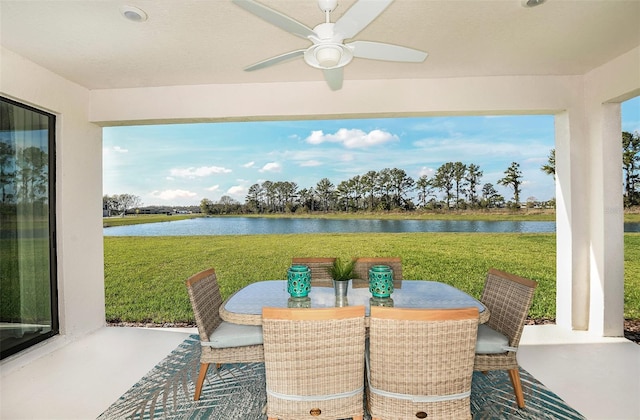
[342, 272]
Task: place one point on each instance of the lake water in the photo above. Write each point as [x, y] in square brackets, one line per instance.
[264, 225]
[259, 225]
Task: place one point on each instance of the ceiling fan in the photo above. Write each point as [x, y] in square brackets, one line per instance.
[329, 52]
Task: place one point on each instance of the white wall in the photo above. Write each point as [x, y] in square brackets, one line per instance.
[78, 188]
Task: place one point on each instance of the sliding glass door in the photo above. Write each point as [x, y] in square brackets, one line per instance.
[28, 292]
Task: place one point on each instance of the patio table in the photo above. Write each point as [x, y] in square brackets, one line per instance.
[245, 305]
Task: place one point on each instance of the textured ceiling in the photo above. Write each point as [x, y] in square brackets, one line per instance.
[210, 42]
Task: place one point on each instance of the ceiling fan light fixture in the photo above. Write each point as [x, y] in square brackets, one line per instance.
[328, 57]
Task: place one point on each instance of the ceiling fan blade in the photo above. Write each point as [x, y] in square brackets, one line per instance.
[386, 52]
[334, 78]
[359, 16]
[276, 18]
[275, 60]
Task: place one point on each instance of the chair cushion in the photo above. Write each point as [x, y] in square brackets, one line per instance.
[491, 341]
[234, 335]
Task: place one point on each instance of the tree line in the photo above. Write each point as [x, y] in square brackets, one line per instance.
[388, 189]
[454, 185]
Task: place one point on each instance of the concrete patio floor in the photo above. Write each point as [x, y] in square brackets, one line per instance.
[599, 377]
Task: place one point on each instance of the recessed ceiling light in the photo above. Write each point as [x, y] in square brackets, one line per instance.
[133, 14]
[532, 3]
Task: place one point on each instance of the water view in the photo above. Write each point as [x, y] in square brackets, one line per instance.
[257, 226]
[265, 226]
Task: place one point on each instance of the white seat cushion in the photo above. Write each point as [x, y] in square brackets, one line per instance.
[491, 341]
[234, 335]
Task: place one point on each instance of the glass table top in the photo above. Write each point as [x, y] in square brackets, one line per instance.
[413, 294]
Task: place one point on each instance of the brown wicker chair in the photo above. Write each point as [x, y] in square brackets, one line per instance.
[508, 298]
[314, 362]
[420, 363]
[318, 266]
[364, 264]
[222, 342]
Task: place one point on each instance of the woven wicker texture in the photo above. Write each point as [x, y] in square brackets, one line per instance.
[319, 267]
[364, 264]
[312, 358]
[508, 298]
[421, 357]
[204, 294]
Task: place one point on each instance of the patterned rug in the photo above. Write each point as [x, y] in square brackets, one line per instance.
[238, 392]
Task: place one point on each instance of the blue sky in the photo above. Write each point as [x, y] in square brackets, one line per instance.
[180, 164]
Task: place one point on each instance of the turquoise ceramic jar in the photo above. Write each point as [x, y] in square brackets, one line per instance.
[381, 281]
[298, 280]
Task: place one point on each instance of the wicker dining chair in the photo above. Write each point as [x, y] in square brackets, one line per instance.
[508, 298]
[319, 267]
[314, 362]
[420, 363]
[221, 342]
[363, 265]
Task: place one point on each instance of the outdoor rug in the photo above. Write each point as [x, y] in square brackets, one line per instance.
[238, 392]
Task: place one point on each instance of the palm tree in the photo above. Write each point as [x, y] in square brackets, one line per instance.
[550, 167]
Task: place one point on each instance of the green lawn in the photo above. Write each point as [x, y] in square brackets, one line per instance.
[144, 276]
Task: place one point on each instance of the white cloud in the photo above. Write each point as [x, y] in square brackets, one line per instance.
[249, 164]
[168, 195]
[213, 188]
[199, 172]
[237, 191]
[352, 138]
[271, 167]
[309, 163]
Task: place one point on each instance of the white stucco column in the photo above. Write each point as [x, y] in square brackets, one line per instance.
[572, 230]
[606, 269]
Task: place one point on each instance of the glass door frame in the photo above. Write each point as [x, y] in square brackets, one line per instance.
[51, 197]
